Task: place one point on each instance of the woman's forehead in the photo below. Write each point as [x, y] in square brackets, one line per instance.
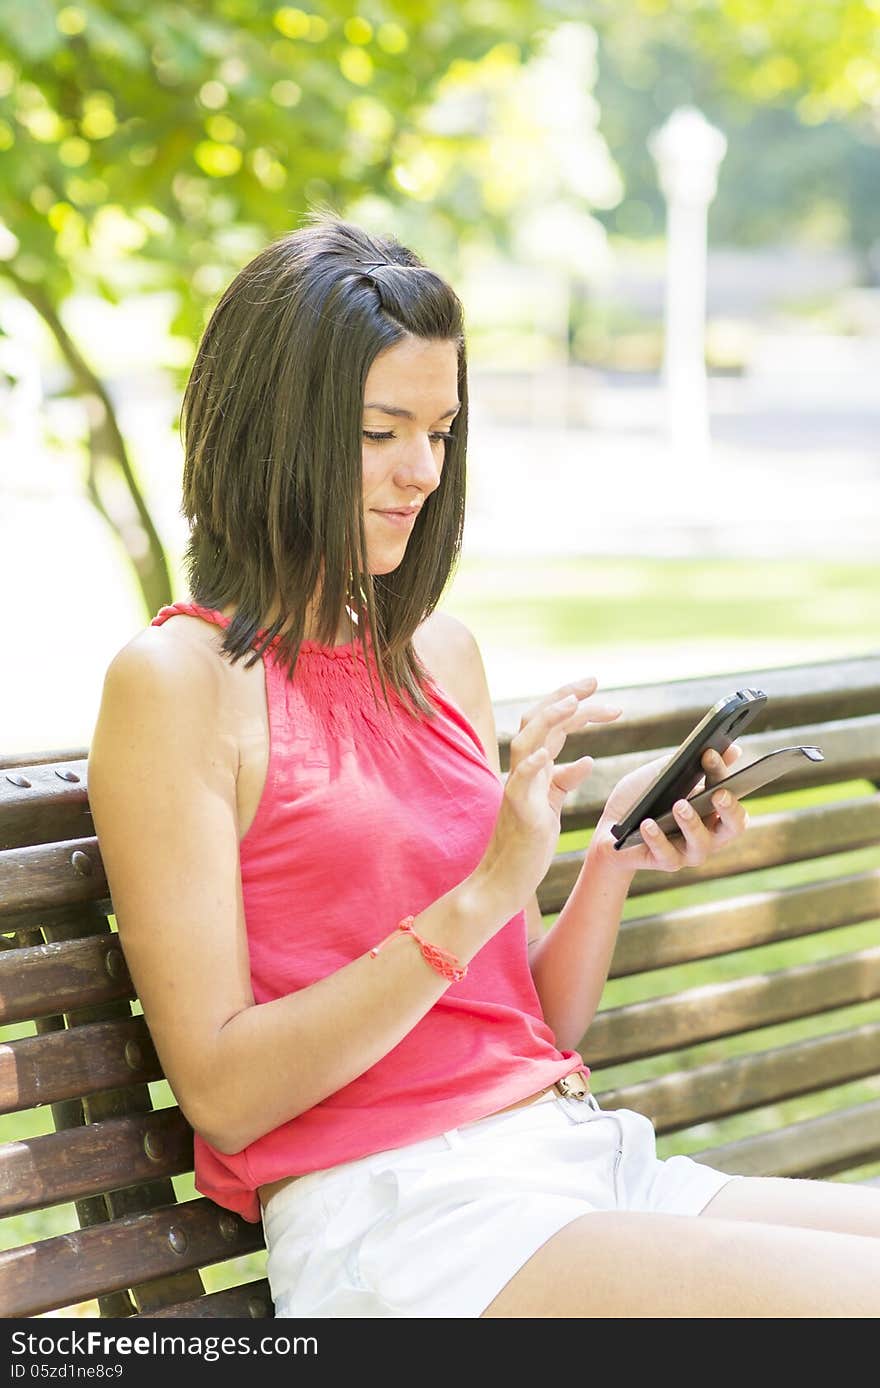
[415, 370]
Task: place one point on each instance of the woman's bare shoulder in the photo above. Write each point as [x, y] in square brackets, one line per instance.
[446, 641]
[449, 649]
[182, 652]
[178, 673]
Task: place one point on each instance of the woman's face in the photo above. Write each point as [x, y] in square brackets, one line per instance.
[410, 401]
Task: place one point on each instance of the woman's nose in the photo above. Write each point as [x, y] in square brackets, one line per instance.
[423, 463]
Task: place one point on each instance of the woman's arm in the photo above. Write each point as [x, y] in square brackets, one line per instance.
[162, 790]
[570, 961]
[449, 650]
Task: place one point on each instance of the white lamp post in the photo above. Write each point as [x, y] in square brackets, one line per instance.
[688, 152]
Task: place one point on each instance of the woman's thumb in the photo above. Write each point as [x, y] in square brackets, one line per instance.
[572, 773]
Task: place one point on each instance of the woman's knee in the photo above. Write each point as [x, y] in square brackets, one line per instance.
[835, 1206]
[626, 1264]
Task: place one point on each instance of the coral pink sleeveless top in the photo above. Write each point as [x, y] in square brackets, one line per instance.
[366, 817]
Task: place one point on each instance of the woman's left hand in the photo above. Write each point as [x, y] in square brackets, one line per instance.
[699, 839]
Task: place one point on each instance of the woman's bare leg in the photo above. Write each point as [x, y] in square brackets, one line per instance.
[624, 1264]
[837, 1206]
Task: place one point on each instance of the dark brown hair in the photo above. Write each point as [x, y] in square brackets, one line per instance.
[271, 422]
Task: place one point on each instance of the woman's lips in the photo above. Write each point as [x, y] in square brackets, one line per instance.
[402, 519]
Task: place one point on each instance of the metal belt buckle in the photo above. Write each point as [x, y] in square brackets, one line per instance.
[573, 1086]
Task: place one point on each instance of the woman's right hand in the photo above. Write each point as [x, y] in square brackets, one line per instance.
[527, 829]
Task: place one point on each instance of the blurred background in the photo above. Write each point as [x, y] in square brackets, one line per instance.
[663, 219]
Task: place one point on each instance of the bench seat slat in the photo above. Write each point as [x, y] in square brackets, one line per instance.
[44, 980]
[741, 1083]
[69, 1268]
[83, 1060]
[823, 1146]
[36, 1172]
[671, 1023]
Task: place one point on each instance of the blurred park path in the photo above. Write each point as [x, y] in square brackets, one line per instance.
[793, 468]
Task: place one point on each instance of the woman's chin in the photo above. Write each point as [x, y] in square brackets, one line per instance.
[386, 560]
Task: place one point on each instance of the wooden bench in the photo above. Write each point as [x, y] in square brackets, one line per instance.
[759, 1052]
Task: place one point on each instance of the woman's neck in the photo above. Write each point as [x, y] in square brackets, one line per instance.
[346, 631]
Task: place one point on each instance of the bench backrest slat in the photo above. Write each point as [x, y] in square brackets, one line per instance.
[251, 1300]
[109, 1257]
[717, 1089]
[715, 928]
[49, 978]
[816, 1147]
[661, 715]
[79, 1061]
[44, 803]
[789, 836]
[725, 1009]
[49, 1170]
[852, 752]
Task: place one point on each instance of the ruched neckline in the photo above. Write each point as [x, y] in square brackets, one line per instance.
[350, 650]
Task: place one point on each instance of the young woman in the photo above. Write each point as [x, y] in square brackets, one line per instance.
[326, 893]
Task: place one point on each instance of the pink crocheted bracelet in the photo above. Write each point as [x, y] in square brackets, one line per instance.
[440, 959]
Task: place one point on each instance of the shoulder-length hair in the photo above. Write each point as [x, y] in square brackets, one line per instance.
[272, 420]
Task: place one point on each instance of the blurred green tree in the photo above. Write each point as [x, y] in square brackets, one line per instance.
[150, 148]
[794, 84]
[823, 53]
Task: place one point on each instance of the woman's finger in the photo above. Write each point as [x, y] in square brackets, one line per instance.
[717, 766]
[732, 816]
[536, 731]
[590, 712]
[580, 688]
[698, 838]
[580, 718]
[553, 724]
[571, 773]
[665, 857]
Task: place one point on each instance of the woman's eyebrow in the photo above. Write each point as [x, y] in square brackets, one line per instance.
[405, 414]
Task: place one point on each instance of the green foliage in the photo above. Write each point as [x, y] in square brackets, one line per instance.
[157, 147]
[779, 179]
[821, 54]
[795, 87]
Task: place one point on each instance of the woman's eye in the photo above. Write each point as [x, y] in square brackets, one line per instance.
[378, 438]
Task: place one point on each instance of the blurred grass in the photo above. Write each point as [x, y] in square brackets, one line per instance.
[617, 603]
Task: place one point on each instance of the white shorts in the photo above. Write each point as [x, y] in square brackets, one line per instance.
[438, 1227]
